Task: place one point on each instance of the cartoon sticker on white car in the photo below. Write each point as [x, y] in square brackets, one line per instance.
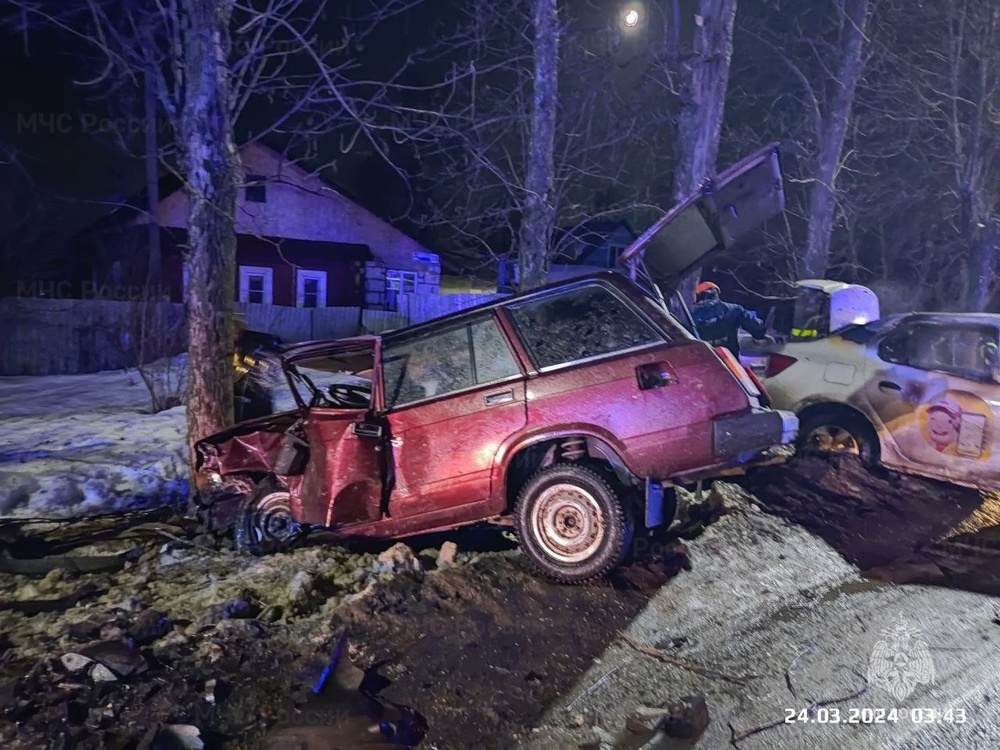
[958, 424]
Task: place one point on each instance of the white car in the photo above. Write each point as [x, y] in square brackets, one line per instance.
[917, 393]
[817, 308]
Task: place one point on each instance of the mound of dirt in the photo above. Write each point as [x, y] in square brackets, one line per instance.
[872, 518]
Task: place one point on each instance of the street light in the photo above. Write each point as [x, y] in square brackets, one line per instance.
[631, 18]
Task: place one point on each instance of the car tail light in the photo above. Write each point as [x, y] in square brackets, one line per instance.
[765, 397]
[738, 370]
[777, 364]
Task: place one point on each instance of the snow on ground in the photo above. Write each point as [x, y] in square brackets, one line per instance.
[83, 444]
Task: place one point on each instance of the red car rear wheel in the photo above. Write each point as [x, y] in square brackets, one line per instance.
[571, 524]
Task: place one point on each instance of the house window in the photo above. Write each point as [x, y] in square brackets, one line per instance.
[311, 289]
[255, 190]
[256, 285]
[397, 283]
[401, 282]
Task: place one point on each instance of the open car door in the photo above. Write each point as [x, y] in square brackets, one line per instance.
[711, 220]
[337, 386]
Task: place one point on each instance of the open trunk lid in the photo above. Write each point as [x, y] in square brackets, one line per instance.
[711, 220]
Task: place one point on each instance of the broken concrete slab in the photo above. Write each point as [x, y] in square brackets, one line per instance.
[741, 611]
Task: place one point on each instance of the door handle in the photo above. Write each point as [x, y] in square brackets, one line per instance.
[888, 385]
[367, 429]
[499, 398]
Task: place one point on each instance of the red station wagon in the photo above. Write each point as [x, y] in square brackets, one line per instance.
[565, 412]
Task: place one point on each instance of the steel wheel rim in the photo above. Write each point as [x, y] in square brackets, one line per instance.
[272, 519]
[568, 523]
[833, 439]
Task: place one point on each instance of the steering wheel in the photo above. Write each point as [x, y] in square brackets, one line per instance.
[345, 395]
[319, 401]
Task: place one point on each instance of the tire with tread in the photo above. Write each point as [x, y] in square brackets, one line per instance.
[588, 497]
[857, 426]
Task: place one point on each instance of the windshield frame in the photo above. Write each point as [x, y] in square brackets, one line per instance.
[318, 350]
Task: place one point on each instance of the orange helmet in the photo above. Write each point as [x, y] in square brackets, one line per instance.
[706, 287]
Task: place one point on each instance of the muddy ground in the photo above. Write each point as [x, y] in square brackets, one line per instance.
[479, 650]
[195, 635]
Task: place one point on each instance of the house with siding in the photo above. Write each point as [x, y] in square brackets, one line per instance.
[300, 242]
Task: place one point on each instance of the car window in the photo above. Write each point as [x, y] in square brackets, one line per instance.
[965, 350]
[579, 323]
[443, 362]
[492, 357]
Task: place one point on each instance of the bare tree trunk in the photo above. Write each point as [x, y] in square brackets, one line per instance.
[154, 256]
[979, 226]
[539, 212]
[833, 129]
[211, 167]
[703, 101]
[983, 261]
[703, 98]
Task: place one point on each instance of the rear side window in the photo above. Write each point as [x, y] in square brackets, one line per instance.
[580, 323]
[446, 361]
[967, 351]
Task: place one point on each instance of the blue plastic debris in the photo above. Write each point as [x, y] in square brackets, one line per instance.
[334, 659]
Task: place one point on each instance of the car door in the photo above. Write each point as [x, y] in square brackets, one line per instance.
[453, 395]
[343, 480]
[601, 366]
[931, 388]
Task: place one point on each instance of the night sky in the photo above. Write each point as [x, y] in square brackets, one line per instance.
[46, 119]
[59, 129]
[52, 123]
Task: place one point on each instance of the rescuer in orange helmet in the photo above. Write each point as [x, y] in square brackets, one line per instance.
[719, 322]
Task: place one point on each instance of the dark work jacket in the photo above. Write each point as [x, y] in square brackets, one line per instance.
[719, 323]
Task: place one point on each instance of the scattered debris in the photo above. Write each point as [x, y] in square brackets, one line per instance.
[686, 718]
[300, 588]
[174, 737]
[74, 663]
[149, 626]
[101, 673]
[121, 658]
[210, 690]
[398, 558]
[703, 671]
[446, 556]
